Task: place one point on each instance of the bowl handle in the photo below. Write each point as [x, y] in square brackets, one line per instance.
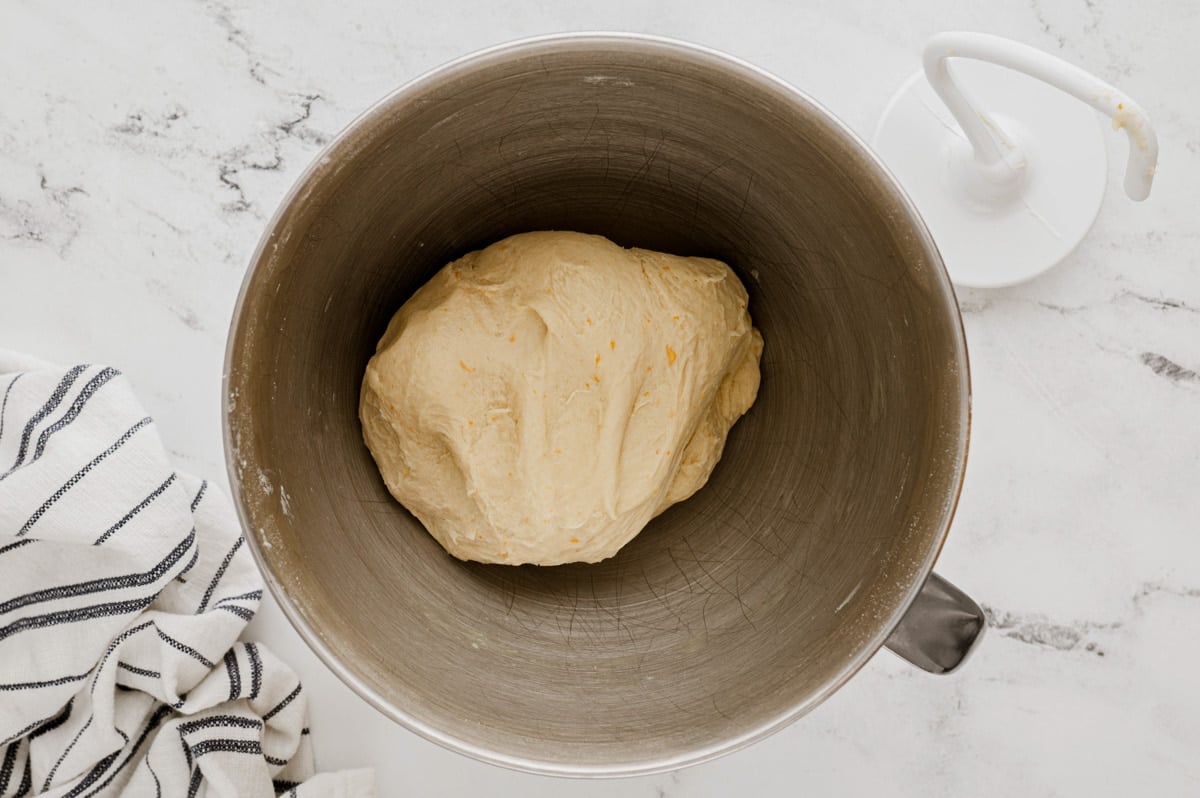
[941, 628]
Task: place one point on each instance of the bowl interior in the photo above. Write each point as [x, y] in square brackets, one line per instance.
[732, 612]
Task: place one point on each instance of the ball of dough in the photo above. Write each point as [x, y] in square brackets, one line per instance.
[539, 401]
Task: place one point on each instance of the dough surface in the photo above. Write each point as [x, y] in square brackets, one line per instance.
[540, 400]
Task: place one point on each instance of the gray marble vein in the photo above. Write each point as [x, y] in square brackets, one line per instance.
[1165, 367]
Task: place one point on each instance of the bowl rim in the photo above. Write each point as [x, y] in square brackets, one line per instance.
[346, 137]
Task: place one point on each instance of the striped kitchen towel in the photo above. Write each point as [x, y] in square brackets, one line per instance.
[124, 586]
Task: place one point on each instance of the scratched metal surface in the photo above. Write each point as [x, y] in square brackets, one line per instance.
[733, 612]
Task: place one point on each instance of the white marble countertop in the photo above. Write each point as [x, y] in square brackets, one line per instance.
[143, 146]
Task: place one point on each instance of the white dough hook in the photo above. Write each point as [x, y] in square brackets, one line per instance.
[1007, 192]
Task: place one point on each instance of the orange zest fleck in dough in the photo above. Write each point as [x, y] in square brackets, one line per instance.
[612, 344]
[575, 541]
[670, 356]
[512, 338]
[464, 366]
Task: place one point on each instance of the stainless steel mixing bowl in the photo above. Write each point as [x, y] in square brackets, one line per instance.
[733, 613]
